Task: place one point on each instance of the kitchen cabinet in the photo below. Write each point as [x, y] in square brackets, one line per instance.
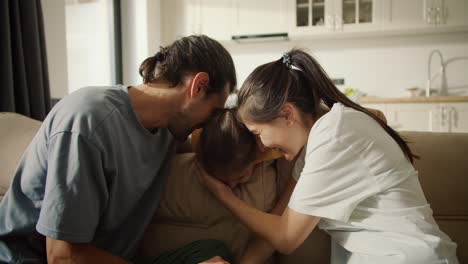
[312, 16]
[188, 17]
[435, 117]
[454, 13]
[334, 16]
[327, 18]
[216, 19]
[260, 17]
[414, 117]
[221, 19]
[358, 15]
[404, 14]
[424, 14]
[456, 116]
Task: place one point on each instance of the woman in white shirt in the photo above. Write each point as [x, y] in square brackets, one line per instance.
[356, 181]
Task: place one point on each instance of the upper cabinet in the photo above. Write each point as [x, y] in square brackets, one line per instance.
[424, 14]
[455, 12]
[193, 17]
[334, 16]
[340, 17]
[222, 19]
[358, 15]
[260, 17]
[404, 14]
[312, 16]
[216, 18]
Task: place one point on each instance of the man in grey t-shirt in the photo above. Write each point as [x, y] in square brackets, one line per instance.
[90, 181]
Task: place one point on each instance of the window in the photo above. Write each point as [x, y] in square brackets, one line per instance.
[93, 43]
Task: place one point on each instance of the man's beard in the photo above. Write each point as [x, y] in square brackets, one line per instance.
[180, 135]
[182, 128]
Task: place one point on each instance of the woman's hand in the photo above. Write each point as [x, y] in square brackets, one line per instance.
[215, 186]
[378, 113]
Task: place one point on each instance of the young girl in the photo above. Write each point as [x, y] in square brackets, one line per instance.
[227, 150]
[357, 181]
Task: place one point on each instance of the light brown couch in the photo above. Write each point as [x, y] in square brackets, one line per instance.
[188, 213]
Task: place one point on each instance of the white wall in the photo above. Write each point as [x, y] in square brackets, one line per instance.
[141, 27]
[154, 26]
[54, 27]
[88, 38]
[378, 66]
[89, 44]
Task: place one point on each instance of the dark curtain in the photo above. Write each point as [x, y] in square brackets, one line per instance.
[24, 80]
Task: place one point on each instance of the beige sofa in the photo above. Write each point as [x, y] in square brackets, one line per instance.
[187, 212]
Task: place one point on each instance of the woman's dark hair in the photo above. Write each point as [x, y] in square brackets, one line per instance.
[225, 145]
[308, 87]
[190, 55]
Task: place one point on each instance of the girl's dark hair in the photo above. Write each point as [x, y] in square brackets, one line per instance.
[271, 85]
[225, 145]
[190, 55]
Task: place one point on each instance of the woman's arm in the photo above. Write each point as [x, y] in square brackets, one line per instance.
[258, 249]
[285, 233]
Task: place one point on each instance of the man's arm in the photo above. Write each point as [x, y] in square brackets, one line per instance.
[59, 251]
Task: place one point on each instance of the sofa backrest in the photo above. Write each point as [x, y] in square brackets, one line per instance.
[443, 173]
[16, 132]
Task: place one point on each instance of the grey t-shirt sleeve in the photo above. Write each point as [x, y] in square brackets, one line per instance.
[76, 190]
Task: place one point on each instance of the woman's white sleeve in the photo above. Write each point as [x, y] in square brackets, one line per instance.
[334, 180]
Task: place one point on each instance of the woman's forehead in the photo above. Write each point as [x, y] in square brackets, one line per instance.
[260, 126]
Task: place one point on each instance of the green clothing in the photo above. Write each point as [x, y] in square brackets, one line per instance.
[195, 253]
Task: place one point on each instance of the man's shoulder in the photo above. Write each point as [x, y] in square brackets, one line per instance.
[86, 109]
[95, 99]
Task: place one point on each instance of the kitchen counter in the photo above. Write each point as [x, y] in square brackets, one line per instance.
[416, 99]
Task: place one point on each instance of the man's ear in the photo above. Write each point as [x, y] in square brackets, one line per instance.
[199, 84]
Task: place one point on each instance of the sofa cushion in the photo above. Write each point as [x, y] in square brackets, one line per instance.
[315, 249]
[16, 132]
[188, 212]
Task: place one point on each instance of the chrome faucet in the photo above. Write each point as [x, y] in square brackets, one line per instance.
[443, 85]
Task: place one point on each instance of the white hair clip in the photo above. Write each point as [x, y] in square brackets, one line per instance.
[287, 62]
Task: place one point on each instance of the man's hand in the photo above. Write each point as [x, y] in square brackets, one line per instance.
[59, 251]
[215, 260]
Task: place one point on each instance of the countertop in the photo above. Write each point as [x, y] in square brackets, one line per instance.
[416, 99]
